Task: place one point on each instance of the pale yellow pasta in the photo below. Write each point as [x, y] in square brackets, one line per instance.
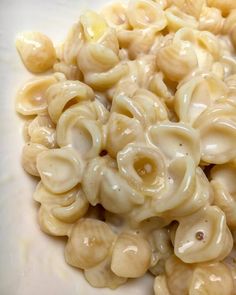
[29, 157]
[131, 256]
[176, 60]
[196, 95]
[211, 20]
[144, 14]
[203, 236]
[36, 51]
[177, 19]
[60, 169]
[224, 190]
[64, 92]
[89, 243]
[133, 138]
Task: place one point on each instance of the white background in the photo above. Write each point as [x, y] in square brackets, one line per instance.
[32, 263]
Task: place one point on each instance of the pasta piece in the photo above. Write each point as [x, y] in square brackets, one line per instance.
[231, 84]
[196, 95]
[144, 106]
[177, 19]
[103, 185]
[64, 92]
[187, 190]
[203, 236]
[143, 167]
[89, 243]
[122, 130]
[31, 99]
[211, 20]
[224, 190]
[177, 60]
[29, 156]
[160, 286]
[131, 256]
[217, 133]
[233, 36]
[60, 169]
[45, 136]
[224, 6]
[159, 87]
[70, 71]
[36, 51]
[101, 276]
[116, 16]
[175, 140]
[144, 14]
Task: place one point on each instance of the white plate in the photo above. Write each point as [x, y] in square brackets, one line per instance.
[30, 261]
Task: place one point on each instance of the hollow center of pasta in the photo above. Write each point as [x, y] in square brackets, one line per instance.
[35, 97]
[146, 169]
[82, 139]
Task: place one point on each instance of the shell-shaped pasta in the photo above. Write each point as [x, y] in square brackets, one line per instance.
[196, 95]
[50, 224]
[122, 130]
[177, 19]
[101, 276]
[223, 183]
[160, 286]
[175, 140]
[203, 236]
[159, 87]
[131, 256]
[94, 25]
[116, 16]
[191, 7]
[159, 240]
[144, 14]
[230, 22]
[225, 6]
[103, 184]
[89, 243]
[211, 20]
[29, 157]
[177, 60]
[143, 167]
[144, 106]
[68, 51]
[39, 122]
[187, 189]
[70, 71]
[217, 129]
[36, 51]
[45, 136]
[212, 278]
[31, 98]
[64, 92]
[60, 169]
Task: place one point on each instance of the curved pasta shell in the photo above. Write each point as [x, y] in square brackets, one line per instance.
[61, 93]
[160, 286]
[175, 140]
[39, 122]
[60, 169]
[144, 14]
[196, 95]
[70, 71]
[203, 236]
[225, 6]
[191, 7]
[212, 279]
[36, 51]
[143, 167]
[116, 16]
[122, 130]
[230, 22]
[211, 20]
[31, 99]
[50, 224]
[177, 60]
[159, 87]
[103, 184]
[45, 136]
[101, 276]
[131, 256]
[223, 183]
[89, 243]
[29, 157]
[177, 19]
[217, 129]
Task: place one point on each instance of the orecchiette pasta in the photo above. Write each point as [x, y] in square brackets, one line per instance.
[133, 137]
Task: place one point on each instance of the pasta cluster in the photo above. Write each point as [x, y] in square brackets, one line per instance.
[132, 134]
